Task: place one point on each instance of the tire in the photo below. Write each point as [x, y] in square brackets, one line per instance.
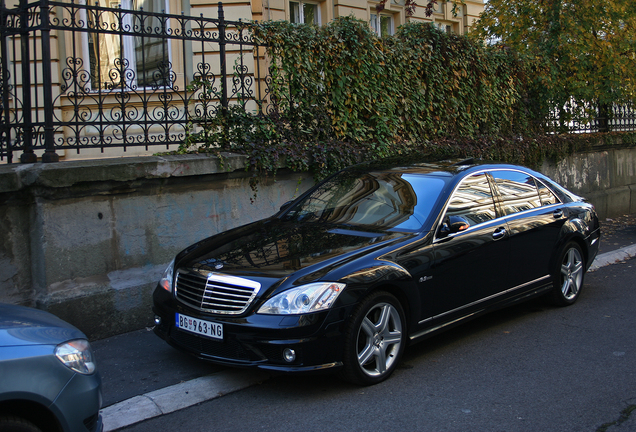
[17, 424]
[374, 340]
[568, 275]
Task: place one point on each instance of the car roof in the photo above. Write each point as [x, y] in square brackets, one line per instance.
[454, 170]
[442, 168]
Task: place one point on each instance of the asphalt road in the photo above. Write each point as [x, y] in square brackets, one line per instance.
[504, 363]
[528, 368]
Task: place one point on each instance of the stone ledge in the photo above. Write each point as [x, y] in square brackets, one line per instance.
[66, 174]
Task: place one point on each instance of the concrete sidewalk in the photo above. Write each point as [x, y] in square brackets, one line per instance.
[143, 377]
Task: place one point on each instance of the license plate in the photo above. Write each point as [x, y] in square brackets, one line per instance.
[199, 326]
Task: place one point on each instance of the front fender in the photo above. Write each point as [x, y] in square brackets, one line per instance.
[378, 272]
[382, 275]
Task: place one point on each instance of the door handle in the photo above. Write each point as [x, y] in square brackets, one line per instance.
[558, 214]
[499, 233]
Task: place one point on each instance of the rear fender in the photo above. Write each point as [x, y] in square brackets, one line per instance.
[572, 230]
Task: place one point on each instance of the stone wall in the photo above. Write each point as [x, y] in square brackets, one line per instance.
[88, 240]
[605, 176]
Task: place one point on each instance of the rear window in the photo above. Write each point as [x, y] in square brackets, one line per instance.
[520, 191]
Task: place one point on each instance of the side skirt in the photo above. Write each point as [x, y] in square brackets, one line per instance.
[523, 295]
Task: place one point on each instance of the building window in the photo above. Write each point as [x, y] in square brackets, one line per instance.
[445, 27]
[119, 61]
[382, 25]
[304, 13]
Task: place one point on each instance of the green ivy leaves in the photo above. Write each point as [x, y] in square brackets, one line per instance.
[339, 95]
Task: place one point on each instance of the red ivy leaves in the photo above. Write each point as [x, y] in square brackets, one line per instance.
[429, 7]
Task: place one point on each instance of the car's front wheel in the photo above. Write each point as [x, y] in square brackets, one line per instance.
[568, 275]
[374, 339]
[16, 424]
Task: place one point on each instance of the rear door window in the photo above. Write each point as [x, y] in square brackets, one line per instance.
[517, 190]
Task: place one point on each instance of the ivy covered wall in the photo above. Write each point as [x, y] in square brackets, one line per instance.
[341, 95]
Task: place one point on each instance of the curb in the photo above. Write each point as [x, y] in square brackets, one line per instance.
[177, 397]
[189, 393]
[613, 257]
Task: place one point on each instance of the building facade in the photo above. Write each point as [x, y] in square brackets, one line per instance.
[384, 22]
[111, 80]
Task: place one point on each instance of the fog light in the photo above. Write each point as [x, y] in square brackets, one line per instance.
[157, 320]
[289, 355]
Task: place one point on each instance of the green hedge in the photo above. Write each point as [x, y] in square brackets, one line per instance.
[342, 95]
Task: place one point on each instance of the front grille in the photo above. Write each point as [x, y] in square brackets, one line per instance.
[215, 292]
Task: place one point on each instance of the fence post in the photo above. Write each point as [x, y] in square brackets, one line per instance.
[5, 113]
[223, 64]
[49, 137]
[222, 44]
[28, 155]
[603, 117]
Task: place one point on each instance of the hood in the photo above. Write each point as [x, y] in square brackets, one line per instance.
[21, 326]
[274, 249]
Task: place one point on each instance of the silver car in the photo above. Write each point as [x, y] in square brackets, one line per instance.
[48, 379]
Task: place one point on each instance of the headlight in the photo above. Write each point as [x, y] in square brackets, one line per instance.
[76, 355]
[166, 279]
[303, 299]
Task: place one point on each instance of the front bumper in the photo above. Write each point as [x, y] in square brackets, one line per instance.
[258, 341]
[77, 406]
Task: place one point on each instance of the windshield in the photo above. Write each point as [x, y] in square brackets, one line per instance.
[373, 200]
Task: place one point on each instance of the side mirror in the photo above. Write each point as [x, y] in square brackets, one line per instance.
[458, 226]
[452, 225]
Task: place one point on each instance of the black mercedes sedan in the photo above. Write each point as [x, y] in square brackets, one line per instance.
[376, 257]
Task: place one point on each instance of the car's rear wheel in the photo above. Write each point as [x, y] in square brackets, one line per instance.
[16, 424]
[374, 339]
[568, 275]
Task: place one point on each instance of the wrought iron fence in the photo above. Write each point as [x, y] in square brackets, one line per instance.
[592, 118]
[78, 76]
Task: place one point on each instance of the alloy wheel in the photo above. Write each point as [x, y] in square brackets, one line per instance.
[379, 339]
[571, 273]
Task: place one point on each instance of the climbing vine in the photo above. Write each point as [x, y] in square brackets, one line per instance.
[340, 95]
